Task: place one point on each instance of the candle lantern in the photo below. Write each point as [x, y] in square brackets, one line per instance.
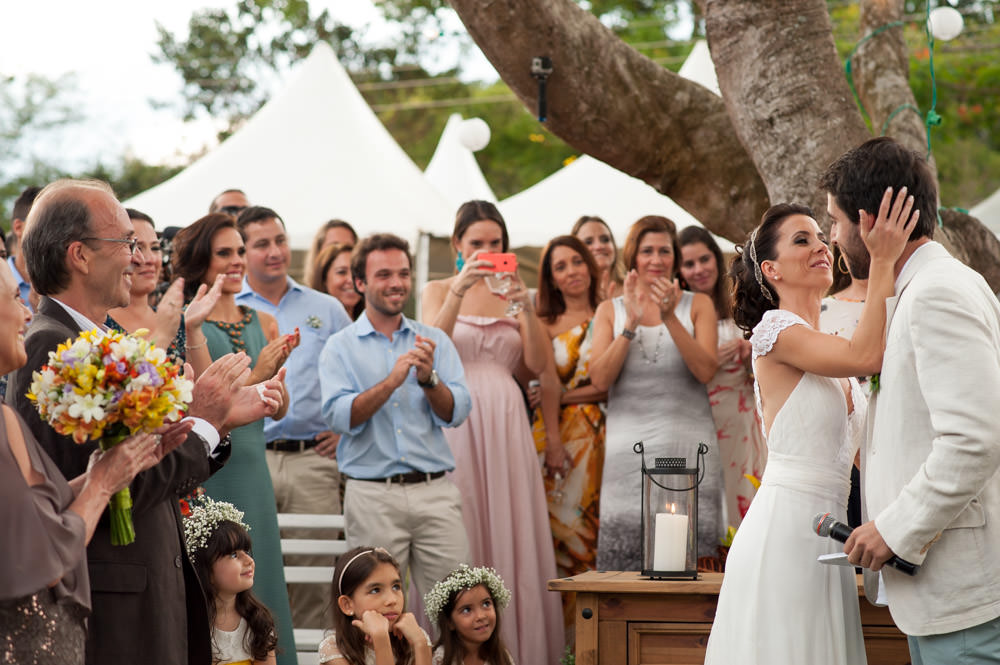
[669, 523]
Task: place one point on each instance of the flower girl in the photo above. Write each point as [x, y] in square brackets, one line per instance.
[466, 607]
[369, 624]
[219, 545]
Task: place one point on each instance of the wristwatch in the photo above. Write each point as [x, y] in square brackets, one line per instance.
[431, 381]
[628, 334]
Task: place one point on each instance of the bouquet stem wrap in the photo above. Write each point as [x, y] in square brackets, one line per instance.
[120, 505]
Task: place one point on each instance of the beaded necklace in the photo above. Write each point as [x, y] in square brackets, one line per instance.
[656, 351]
[235, 330]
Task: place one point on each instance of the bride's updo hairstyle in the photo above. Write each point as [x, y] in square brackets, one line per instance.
[752, 293]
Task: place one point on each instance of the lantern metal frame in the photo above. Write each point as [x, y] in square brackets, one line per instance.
[662, 468]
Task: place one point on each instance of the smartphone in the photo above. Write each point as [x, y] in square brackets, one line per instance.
[502, 262]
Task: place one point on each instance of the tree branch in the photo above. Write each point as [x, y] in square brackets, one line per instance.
[609, 101]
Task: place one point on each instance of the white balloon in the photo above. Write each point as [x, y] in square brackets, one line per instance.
[946, 23]
[474, 134]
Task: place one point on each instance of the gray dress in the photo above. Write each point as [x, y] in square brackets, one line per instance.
[658, 401]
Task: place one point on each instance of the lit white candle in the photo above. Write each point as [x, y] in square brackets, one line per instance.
[670, 541]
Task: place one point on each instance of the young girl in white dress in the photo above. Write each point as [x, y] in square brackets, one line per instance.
[778, 604]
[466, 606]
[369, 624]
[219, 545]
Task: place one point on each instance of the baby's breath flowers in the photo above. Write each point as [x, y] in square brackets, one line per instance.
[461, 579]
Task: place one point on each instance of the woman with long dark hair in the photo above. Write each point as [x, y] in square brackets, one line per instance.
[775, 592]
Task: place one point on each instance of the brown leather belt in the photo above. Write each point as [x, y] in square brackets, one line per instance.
[290, 445]
[406, 478]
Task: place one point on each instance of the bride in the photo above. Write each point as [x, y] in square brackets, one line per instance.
[778, 604]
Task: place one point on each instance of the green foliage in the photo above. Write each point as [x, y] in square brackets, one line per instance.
[30, 107]
[966, 145]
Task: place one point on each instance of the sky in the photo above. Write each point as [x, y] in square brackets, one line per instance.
[106, 45]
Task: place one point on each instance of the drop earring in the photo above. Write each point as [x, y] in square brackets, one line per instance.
[842, 265]
[459, 262]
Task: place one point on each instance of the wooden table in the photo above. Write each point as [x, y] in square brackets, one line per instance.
[624, 619]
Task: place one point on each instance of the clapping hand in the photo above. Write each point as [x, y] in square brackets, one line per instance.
[886, 235]
[634, 307]
[168, 314]
[202, 303]
[273, 356]
[256, 401]
[217, 387]
[422, 355]
[665, 294]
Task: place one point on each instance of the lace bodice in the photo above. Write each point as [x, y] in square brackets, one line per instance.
[813, 422]
[765, 333]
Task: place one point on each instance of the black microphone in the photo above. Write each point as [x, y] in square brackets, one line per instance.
[825, 525]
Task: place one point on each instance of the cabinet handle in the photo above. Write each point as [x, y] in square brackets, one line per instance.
[587, 613]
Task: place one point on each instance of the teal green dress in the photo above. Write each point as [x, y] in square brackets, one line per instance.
[246, 483]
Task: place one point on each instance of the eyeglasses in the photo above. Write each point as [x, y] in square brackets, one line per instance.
[131, 242]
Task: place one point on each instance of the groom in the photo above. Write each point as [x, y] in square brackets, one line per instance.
[933, 445]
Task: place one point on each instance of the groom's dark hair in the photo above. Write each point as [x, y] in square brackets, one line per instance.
[858, 179]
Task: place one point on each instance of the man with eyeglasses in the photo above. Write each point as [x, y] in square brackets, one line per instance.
[147, 605]
[231, 201]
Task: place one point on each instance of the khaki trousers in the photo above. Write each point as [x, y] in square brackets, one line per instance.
[305, 482]
[420, 524]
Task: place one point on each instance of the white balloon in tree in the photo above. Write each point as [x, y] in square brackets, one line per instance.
[946, 23]
[474, 134]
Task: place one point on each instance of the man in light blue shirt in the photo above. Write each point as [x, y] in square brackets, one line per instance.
[389, 385]
[301, 450]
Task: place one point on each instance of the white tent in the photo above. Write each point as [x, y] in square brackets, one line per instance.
[316, 151]
[587, 187]
[590, 187]
[454, 171]
[699, 67]
[988, 212]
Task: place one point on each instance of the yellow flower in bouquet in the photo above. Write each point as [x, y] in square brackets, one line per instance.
[104, 386]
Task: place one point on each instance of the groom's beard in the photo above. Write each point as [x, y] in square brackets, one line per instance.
[856, 254]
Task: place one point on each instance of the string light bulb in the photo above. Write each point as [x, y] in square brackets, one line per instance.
[945, 23]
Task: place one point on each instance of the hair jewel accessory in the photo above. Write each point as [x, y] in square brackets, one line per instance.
[459, 262]
[459, 580]
[203, 520]
[340, 580]
[756, 268]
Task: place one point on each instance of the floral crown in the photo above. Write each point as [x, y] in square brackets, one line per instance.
[459, 580]
[203, 520]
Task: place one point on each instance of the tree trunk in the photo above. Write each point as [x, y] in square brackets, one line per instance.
[609, 101]
[781, 78]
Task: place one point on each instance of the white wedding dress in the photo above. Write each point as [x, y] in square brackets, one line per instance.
[778, 605]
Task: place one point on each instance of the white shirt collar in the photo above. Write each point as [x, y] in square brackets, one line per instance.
[81, 320]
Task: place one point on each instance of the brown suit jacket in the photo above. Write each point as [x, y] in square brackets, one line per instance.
[148, 606]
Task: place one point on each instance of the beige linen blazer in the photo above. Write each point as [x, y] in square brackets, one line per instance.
[933, 445]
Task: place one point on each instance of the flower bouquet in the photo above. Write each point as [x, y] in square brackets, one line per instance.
[104, 387]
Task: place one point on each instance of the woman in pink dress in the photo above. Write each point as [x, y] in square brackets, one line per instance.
[496, 466]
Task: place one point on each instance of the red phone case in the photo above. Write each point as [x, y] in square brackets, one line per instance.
[502, 261]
